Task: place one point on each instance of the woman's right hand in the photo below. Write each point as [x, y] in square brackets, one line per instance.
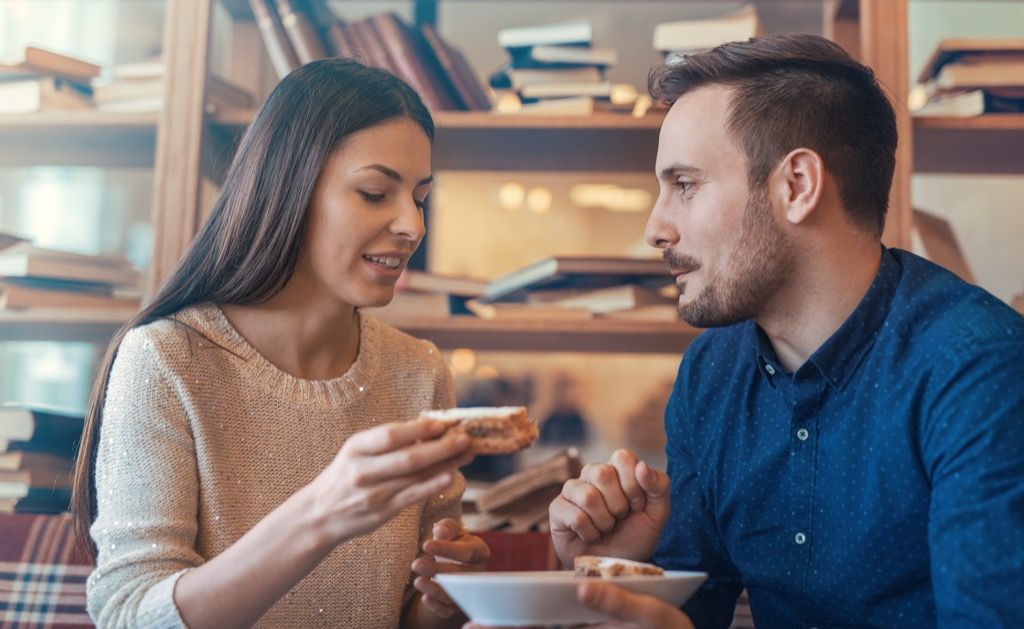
[379, 472]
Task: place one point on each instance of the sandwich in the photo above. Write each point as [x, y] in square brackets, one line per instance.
[607, 567]
[492, 429]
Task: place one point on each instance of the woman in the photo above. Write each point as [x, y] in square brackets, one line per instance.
[247, 453]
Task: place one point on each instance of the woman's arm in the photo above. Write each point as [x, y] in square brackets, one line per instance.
[377, 473]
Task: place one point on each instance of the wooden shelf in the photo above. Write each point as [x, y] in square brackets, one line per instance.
[989, 144]
[78, 138]
[561, 336]
[61, 325]
[471, 140]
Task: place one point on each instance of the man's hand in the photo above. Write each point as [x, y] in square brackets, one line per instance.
[630, 610]
[451, 550]
[615, 509]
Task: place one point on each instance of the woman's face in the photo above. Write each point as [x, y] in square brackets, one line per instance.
[366, 214]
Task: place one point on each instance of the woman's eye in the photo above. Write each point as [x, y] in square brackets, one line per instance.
[372, 197]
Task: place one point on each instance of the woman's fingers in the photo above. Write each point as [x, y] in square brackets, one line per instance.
[412, 460]
[394, 436]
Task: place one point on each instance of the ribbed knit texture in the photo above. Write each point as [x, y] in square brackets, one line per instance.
[202, 437]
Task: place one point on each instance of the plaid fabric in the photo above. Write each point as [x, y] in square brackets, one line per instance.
[42, 575]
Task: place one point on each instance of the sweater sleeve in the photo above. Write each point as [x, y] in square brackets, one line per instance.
[146, 483]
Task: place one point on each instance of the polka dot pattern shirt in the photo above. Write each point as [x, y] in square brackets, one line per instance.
[881, 484]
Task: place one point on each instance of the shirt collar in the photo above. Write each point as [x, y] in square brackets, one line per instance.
[838, 358]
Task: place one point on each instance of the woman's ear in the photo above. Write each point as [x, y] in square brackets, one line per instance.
[799, 180]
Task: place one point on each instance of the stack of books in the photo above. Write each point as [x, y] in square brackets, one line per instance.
[139, 87]
[37, 450]
[519, 502]
[677, 39]
[571, 288]
[970, 77]
[296, 32]
[34, 277]
[34, 79]
[554, 69]
[423, 295]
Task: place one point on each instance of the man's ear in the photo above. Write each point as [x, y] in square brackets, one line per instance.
[798, 181]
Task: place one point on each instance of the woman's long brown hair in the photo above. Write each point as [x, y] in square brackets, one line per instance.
[246, 251]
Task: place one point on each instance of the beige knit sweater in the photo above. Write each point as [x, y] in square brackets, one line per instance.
[201, 440]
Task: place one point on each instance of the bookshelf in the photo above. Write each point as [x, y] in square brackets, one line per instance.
[78, 138]
[60, 325]
[876, 31]
[988, 144]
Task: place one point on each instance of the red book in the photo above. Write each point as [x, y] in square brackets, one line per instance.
[408, 63]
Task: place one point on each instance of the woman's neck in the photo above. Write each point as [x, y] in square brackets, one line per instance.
[303, 332]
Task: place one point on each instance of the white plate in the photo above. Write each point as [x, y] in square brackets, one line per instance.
[508, 599]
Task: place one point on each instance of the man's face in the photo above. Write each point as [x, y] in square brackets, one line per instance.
[719, 238]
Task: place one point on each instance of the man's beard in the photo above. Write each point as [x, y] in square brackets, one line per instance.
[758, 267]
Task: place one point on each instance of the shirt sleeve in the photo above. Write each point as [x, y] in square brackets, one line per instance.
[146, 484]
[973, 450]
[690, 539]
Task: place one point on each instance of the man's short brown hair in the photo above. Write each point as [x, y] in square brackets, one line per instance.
[793, 91]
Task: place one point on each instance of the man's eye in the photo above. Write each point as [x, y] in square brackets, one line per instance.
[684, 186]
[371, 197]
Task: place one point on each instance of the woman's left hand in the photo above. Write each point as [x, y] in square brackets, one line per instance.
[451, 550]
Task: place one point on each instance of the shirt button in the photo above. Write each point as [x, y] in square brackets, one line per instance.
[771, 370]
[800, 538]
[802, 434]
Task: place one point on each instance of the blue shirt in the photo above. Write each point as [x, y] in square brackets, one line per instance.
[881, 484]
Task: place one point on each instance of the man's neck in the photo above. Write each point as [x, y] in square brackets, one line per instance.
[825, 289]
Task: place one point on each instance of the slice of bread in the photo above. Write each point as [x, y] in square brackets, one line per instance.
[493, 429]
[607, 567]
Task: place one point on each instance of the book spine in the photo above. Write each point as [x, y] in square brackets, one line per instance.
[282, 57]
[304, 39]
[329, 27]
[438, 51]
[408, 65]
[369, 47]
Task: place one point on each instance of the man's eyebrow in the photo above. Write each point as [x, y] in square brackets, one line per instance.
[391, 173]
[677, 169]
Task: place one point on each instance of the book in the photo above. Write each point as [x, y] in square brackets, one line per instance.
[970, 49]
[704, 34]
[44, 94]
[553, 471]
[17, 295]
[572, 106]
[303, 36]
[27, 260]
[518, 312]
[996, 73]
[145, 69]
[518, 78]
[18, 460]
[34, 60]
[562, 56]
[410, 305]
[330, 27]
[531, 91]
[8, 239]
[275, 40]
[16, 483]
[408, 62]
[127, 89]
[601, 300]
[959, 104]
[653, 312]
[456, 67]
[40, 429]
[368, 44]
[573, 32]
[424, 282]
[561, 272]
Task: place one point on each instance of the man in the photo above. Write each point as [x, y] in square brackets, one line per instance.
[847, 440]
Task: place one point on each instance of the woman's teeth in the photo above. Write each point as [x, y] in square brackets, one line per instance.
[391, 262]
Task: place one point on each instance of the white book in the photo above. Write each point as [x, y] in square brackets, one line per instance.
[575, 32]
[707, 33]
[532, 76]
[600, 89]
[41, 94]
[573, 106]
[27, 260]
[575, 54]
[958, 104]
